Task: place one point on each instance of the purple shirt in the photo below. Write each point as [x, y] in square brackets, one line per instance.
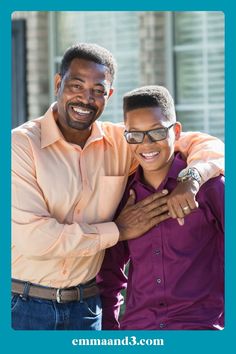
[176, 273]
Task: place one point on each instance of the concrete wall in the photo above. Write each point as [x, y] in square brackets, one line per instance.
[152, 42]
[37, 60]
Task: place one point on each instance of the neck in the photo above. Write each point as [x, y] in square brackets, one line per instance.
[78, 137]
[153, 178]
[156, 177]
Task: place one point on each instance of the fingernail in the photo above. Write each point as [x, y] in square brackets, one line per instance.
[165, 191]
[180, 221]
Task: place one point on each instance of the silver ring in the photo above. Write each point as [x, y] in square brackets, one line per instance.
[186, 208]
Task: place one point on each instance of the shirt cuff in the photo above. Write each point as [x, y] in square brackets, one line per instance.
[109, 234]
[207, 170]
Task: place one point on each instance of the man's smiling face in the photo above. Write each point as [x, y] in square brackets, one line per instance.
[82, 94]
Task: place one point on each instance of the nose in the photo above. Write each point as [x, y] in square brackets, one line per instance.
[147, 139]
[86, 96]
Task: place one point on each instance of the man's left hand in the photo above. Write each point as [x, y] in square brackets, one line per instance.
[182, 200]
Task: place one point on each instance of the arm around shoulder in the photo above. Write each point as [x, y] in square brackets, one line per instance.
[203, 152]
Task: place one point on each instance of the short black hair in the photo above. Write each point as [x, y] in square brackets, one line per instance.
[150, 96]
[88, 51]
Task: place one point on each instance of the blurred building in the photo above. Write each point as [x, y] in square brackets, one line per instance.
[182, 50]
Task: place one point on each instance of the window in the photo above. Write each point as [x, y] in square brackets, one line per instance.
[199, 70]
[19, 96]
[116, 31]
[194, 47]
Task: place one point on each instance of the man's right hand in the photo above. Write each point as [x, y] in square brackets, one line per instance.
[136, 219]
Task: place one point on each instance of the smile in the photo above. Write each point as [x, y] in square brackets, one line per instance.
[149, 155]
[81, 111]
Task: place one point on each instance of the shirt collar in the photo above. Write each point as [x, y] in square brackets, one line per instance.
[98, 133]
[177, 165]
[50, 133]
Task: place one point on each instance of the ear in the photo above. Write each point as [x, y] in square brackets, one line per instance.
[110, 92]
[57, 83]
[177, 130]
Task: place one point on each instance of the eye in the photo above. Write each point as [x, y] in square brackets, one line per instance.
[76, 86]
[99, 92]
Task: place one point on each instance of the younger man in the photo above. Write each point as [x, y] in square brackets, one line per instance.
[176, 273]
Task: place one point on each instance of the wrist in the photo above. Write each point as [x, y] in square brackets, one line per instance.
[121, 231]
[191, 185]
[189, 174]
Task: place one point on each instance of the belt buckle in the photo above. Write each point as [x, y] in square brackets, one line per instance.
[58, 296]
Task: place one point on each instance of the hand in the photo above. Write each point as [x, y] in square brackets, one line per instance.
[136, 219]
[182, 200]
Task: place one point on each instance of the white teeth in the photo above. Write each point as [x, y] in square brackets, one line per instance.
[80, 110]
[149, 154]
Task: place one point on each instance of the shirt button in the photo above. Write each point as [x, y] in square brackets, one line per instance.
[158, 281]
[158, 252]
[162, 325]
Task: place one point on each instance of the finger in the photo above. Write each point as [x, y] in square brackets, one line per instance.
[178, 210]
[158, 219]
[172, 212]
[186, 209]
[155, 206]
[157, 203]
[193, 204]
[144, 218]
[158, 211]
[151, 199]
[180, 221]
[131, 199]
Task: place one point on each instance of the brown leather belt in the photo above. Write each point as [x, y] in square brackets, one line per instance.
[62, 295]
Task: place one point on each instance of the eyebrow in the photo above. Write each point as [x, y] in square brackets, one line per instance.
[153, 128]
[83, 81]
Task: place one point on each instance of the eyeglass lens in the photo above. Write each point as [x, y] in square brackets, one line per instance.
[154, 135]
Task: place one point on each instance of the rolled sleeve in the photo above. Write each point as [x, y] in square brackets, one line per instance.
[109, 234]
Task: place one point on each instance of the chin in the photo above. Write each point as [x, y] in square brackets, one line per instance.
[148, 167]
[79, 125]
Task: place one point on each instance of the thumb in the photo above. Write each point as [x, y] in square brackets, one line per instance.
[131, 199]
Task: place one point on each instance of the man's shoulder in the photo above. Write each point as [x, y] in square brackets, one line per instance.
[114, 131]
[30, 127]
[27, 131]
[112, 127]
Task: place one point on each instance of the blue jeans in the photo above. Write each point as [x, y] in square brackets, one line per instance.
[38, 314]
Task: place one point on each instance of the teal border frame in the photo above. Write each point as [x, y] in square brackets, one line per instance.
[60, 342]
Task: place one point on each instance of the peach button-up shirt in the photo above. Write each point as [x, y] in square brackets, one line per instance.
[64, 197]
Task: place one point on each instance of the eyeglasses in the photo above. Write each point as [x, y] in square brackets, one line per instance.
[137, 137]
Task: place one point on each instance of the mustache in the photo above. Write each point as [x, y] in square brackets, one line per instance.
[82, 105]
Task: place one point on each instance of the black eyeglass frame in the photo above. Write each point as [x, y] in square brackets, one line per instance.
[146, 132]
